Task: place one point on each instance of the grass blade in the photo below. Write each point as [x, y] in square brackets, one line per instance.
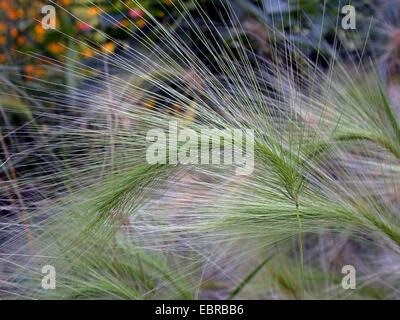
[249, 277]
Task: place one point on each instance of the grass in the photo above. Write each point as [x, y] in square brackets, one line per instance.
[324, 190]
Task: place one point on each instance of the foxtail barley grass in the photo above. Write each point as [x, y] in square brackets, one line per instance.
[324, 191]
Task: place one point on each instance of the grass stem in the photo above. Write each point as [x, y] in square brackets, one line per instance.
[16, 189]
[300, 251]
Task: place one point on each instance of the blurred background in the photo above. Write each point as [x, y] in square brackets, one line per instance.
[89, 33]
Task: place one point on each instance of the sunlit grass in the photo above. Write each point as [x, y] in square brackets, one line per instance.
[327, 151]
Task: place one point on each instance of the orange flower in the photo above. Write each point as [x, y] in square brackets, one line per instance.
[33, 71]
[2, 58]
[66, 2]
[56, 48]
[12, 14]
[108, 47]
[21, 40]
[5, 5]
[87, 53]
[39, 29]
[3, 40]
[168, 2]
[93, 11]
[140, 23]
[14, 32]
[124, 23]
[29, 68]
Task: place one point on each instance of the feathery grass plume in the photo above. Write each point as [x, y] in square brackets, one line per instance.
[325, 179]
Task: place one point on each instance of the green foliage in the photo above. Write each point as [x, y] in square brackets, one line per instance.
[325, 179]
